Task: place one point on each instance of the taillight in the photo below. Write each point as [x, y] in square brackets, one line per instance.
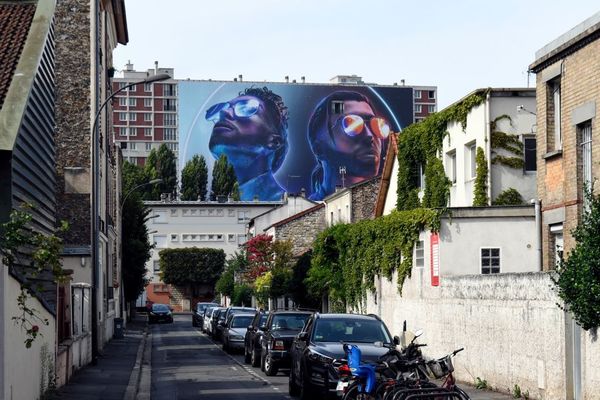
[278, 345]
[344, 370]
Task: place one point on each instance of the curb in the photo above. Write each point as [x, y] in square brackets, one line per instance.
[133, 386]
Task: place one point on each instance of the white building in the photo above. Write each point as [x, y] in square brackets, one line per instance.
[292, 205]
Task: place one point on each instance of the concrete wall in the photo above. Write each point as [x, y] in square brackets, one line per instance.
[26, 372]
[509, 324]
[293, 205]
[338, 208]
[301, 231]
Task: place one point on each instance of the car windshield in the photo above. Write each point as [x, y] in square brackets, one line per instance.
[351, 330]
[160, 307]
[241, 321]
[263, 319]
[288, 322]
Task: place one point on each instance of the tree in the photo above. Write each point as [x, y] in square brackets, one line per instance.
[194, 179]
[577, 278]
[298, 290]
[190, 267]
[260, 256]
[223, 178]
[133, 175]
[162, 164]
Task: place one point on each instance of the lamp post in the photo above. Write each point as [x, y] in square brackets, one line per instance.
[95, 200]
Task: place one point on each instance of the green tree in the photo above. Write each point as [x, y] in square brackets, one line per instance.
[225, 284]
[242, 295]
[190, 267]
[577, 278]
[480, 197]
[223, 178]
[162, 164]
[298, 290]
[194, 179]
[133, 175]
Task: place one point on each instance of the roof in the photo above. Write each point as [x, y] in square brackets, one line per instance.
[567, 43]
[280, 206]
[346, 189]
[171, 204]
[15, 21]
[296, 216]
[386, 175]
[120, 21]
[354, 316]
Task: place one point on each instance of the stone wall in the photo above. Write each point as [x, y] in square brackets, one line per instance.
[509, 324]
[73, 124]
[364, 199]
[303, 230]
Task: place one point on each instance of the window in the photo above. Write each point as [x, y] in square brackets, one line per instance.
[419, 254]
[147, 117]
[133, 160]
[231, 237]
[169, 89]
[132, 131]
[174, 237]
[241, 239]
[156, 266]
[122, 131]
[331, 218]
[173, 212]
[132, 146]
[337, 107]
[148, 146]
[348, 212]
[529, 153]
[122, 116]
[172, 146]
[231, 213]
[554, 115]
[418, 94]
[170, 134]
[243, 216]
[490, 260]
[170, 119]
[159, 217]
[431, 108]
[585, 141]
[169, 105]
[148, 102]
[451, 166]
[219, 212]
[160, 241]
[431, 94]
[147, 87]
[148, 132]
[556, 244]
[132, 102]
[132, 116]
[122, 85]
[471, 161]
[123, 101]
[418, 108]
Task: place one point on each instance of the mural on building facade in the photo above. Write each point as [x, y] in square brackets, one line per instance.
[289, 137]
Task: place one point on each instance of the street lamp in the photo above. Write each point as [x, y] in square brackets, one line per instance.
[152, 182]
[96, 202]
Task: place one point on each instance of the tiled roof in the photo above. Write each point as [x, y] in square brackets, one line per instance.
[15, 21]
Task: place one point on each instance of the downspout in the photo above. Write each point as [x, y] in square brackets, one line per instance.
[488, 145]
[538, 232]
[95, 26]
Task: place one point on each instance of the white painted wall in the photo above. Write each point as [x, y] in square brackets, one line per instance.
[23, 369]
[293, 205]
[338, 208]
[392, 194]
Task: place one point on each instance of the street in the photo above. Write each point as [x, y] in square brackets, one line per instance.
[186, 364]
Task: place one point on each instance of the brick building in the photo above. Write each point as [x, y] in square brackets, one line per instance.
[568, 97]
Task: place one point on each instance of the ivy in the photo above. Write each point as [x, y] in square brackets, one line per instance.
[509, 197]
[348, 257]
[20, 242]
[480, 197]
[577, 279]
[507, 142]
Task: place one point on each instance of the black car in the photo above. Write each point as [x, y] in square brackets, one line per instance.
[279, 333]
[320, 342]
[224, 317]
[160, 313]
[217, 317]
[198, 314]
[253, 337]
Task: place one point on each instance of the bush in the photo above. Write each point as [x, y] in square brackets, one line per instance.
[191, 266]
[242, 295]
[510, 197]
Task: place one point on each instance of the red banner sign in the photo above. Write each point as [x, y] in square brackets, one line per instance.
[435, 259]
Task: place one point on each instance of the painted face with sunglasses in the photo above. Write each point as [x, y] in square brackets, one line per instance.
[345, 132]
[251, 130]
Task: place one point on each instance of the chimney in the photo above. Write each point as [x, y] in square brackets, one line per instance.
[129, 66]
[199, 198]
[235, 79]
[338, 188]
[155, 67]
[287, 79]
[402, 82]
[303, 79]
[163, 197]
[221, 199]
[285, 197]
[240, 77]
[303, 192]
[294, 81]
[255, 198]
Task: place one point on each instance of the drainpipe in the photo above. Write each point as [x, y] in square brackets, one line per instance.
[538, 232]
[488, 145]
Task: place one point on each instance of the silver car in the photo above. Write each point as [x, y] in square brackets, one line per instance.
[208, 321]
[235, 331]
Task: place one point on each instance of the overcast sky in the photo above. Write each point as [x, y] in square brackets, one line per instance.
[457, 46]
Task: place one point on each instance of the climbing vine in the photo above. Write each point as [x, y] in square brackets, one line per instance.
[348, 257]
[509, 197]
[30, 254]
[480, 197]
[507, 142]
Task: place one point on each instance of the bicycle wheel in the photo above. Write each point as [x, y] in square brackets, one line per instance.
[462, 393]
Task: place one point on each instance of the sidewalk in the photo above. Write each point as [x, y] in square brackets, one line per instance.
[109, 379]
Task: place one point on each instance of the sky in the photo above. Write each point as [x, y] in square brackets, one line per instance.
[458, 46]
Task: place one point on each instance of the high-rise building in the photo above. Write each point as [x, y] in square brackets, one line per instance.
[145, 116]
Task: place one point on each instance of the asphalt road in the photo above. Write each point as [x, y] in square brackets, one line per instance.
[186, 364]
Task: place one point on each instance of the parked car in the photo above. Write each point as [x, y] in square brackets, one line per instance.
[208, 320]
[214, 321]
[160, 312]
[320, 342]
[253, 337]
[198, 314]
[225, 316]
[279, 332]
[235, 330]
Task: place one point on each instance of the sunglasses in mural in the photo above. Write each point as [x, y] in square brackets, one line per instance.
[354, 125]
[241, 109]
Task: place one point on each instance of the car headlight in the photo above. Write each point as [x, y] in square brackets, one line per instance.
[319, 357]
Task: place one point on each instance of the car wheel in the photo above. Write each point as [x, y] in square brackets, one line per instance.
[293, 388]
[306, 389]
[271, 368]
[246, 356]
[254, 358]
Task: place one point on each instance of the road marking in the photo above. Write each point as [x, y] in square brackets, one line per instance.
[234, 368]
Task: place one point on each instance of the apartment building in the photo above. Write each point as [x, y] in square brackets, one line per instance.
[145, 116]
